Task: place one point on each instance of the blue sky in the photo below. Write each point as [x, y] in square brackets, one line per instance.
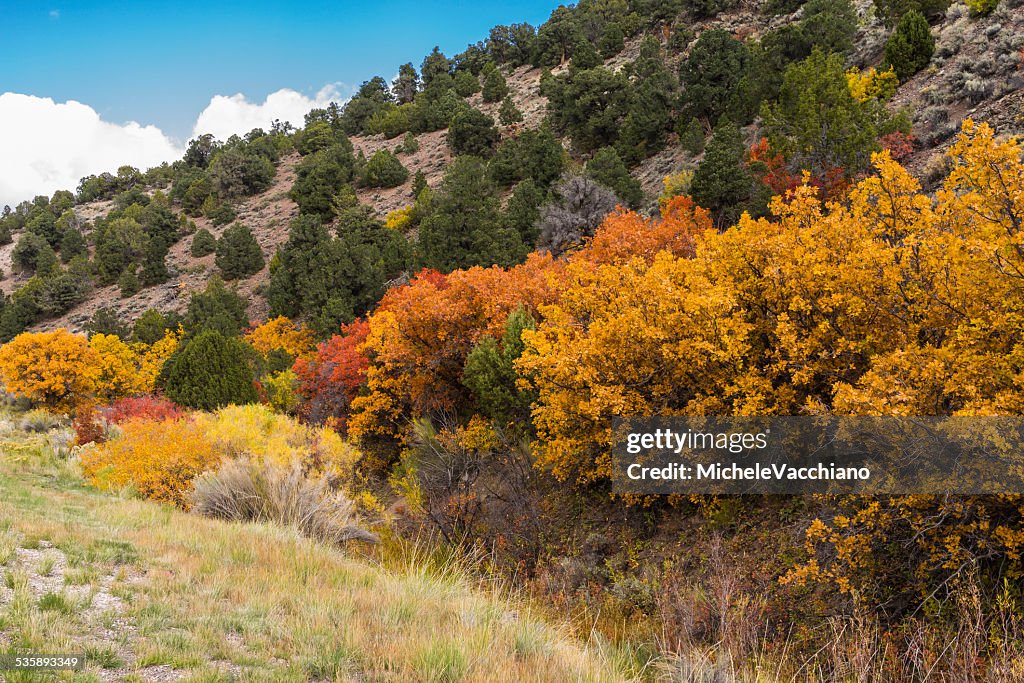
[160, 62]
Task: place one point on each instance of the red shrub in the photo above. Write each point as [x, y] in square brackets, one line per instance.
[330, 379]
[88, 425]
[155, 408]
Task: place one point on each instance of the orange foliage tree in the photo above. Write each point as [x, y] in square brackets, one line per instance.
[422, 332]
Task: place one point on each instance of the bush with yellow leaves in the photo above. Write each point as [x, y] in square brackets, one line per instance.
[159, 459]
[257, 431]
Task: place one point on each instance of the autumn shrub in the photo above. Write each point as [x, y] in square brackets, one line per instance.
[255, 490]
[329, 380]
[88, 425]
[150, 407]
[257, 431]
[157, 458]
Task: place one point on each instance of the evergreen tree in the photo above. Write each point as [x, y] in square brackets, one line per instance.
[151, 326]
[410, 145]
[535, 154]
[128, 283]
[238, 253]
[406, 84]
[472, 132]
[72, 244]
[216, 308]
[509, 113]
[523, 211]
[466, 84]
[691, 137]
[911, 45]
[210, 371]
[435, 67]
[830, 24]
[607, 168]
[588, 106]
[585, 56]
[722, 182]
[490, 372]
[818, 125]
[238, 172]
[29, 250]
[203, 243]
[612, 41]
[651, 100]
[106, 321]
[495, 88]
[419, 183]
[463, 228]
[384, 170]
[716, 79]
[120, 243]
[319, 176]
[154, 264]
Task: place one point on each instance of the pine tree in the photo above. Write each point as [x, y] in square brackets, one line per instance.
[203, 243]
[419, 183]
[490, 372]
[715, 78]
[463, 228]
[509, 113]
[523, 211]
[473, 132]
[151, 326]
[406, 84]
[238, 253]
[495, 88]
[466, 84]
[154, 263]
[72, 244]
[651, 101]
[911, 45]
[128, 283]
[691, 137]
[608, 169]
[210, 371]
[216, 308]
[383, 169]
[722, 182]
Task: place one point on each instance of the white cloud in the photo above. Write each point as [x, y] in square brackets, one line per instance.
[227, 115]
[47, 146]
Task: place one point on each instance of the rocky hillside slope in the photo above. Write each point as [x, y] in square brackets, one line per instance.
[977, 71]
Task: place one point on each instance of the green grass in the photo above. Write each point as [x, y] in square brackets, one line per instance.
[145, 585]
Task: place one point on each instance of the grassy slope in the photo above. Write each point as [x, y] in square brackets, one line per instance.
[152, 593]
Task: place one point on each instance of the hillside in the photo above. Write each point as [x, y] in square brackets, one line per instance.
[976, 72]
[425, 312]
[150, 594]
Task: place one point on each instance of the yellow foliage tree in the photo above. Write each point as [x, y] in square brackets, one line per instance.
[872, 84]
[56, 370]
[152, 357]
[284, 335]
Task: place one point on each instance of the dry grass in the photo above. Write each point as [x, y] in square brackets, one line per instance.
[154, 593]
[256, 490]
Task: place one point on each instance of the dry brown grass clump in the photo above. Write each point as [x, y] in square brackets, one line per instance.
[255, 490]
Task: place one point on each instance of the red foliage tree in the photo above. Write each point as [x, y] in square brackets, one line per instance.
[330, 380]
